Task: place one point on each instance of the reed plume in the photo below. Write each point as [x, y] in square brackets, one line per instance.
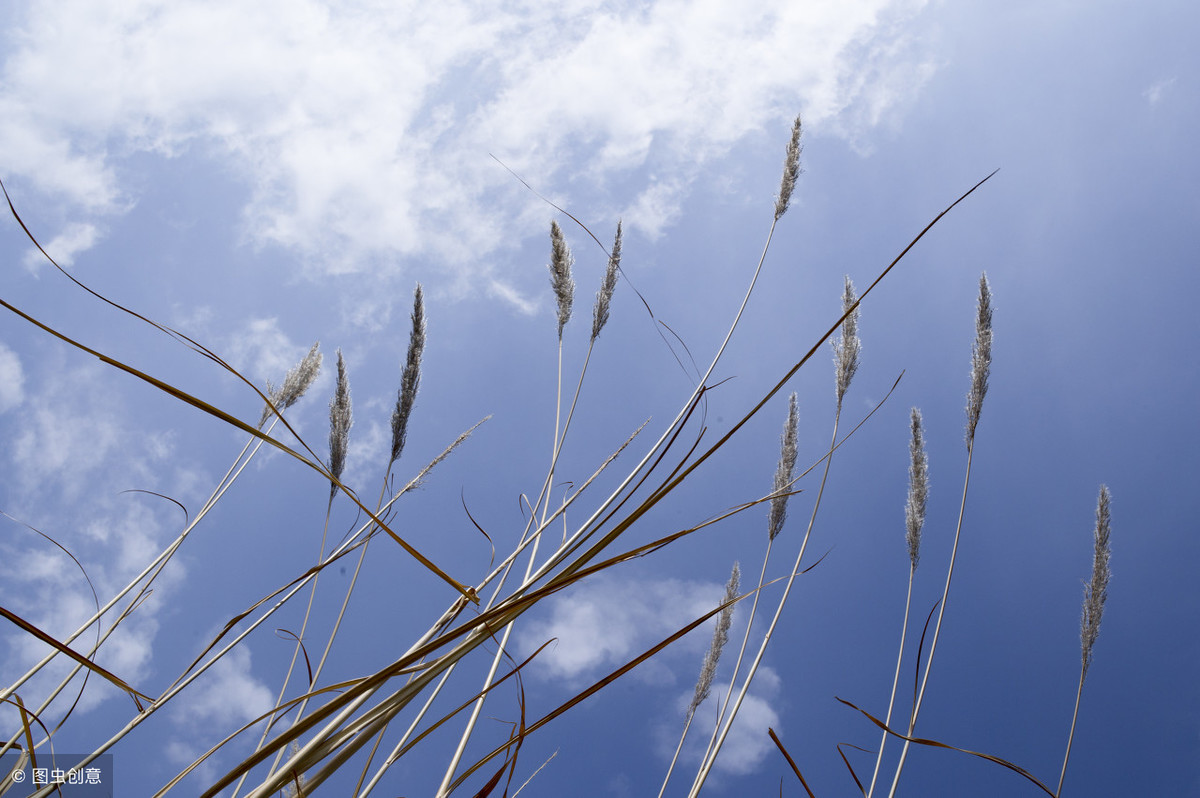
[846, 349]
[777, 515]
[981, 357]
[604, 295]
[340, 420]
[918, 489]
[720, 637]
[560, 276]
[295, 383]
[791, 171]
[1095, 593]
[410, 378]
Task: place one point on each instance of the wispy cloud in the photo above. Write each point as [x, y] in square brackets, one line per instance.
[73, 454]
[747, 744]
[73, 240]
[228, 695]
[1159, 89]
[608, 621]
[326, 112]
[12, 379]
[263, 351]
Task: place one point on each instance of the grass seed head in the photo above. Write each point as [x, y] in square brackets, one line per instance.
[783, 472]
[604, 295]
[1095, 592]
[981, 357]
[846, 349]
[410, 378]
[295, 383]
[918, 489]
[791, 171]
[560, 275]
[340, 420]
[708, 670]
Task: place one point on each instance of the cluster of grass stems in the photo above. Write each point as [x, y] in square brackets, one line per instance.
[364, 724]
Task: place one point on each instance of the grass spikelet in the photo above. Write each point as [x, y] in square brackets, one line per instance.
[560, 275]
[708, 670]
[1095, 592]
[295, 383]
[847, 348]
[783, 473]
[410, 378]
[791, 171]
[604, 295]
[720, 637]
[918, 489]
[981, 357]
[340, 420]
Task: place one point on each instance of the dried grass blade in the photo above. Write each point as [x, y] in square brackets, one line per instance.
[200, 404]
[935, 744]
[790, 761]
[602, 683]
[82, 660]
[850, 767]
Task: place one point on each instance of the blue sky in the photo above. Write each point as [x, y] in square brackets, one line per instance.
[264, 177]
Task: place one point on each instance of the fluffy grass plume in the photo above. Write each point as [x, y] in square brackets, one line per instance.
[560, 275]
[712, 657]
[295, 383]
[981, 357]
[791, 171]
[1095, 592]
[604, 295]
[410, 378]
[918, 488]
[340, 420]
[777, 515]
[847, 348]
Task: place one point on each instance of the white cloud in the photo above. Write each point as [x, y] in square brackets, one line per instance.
[747, 743]
[12, 379]
[1158, 90]
[608, 621]
[363, 133]
[227, 696]
[73, 453]
[67, 434]
[262, 351]
[74, 239]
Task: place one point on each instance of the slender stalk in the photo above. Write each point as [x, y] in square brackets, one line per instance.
[981, 364]
[1095, 593]
[914, 518]
[708, 670]
[846, 351]
[775, 521]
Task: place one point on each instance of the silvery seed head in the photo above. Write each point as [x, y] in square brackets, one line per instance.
[560, 275]
[783, 472]
[1095, 592]
[340, 420]
[604, 295]
[981, 357]
[295, 383]
[791, 171]
[846, 349]
[918, 489]
[708, 670]
[410, 378]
